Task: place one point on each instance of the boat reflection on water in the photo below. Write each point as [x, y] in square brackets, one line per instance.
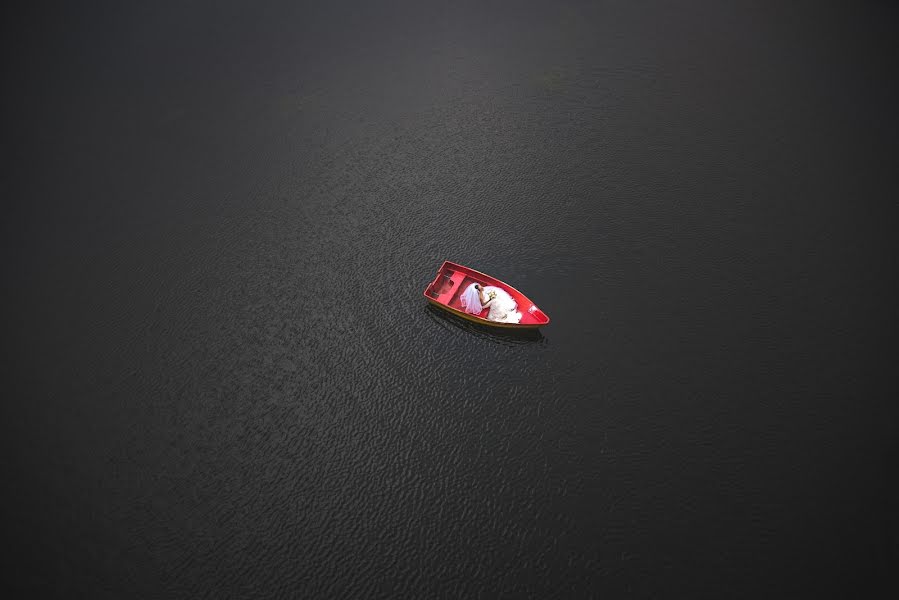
[508, 337]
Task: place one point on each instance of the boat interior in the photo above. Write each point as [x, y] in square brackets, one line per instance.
[447, 288]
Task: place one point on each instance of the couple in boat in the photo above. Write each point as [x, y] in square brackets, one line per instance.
[503, 309]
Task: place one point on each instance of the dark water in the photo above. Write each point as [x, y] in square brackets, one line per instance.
[222, 379]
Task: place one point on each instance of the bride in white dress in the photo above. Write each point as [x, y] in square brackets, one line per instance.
[503, 309]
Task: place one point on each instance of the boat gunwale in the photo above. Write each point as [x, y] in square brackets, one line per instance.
[478, 318]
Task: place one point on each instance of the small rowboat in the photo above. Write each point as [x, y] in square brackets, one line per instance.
[452, 279]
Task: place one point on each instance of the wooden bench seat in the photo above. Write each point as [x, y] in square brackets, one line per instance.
[455, 280]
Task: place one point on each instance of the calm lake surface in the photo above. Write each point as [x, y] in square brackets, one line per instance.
[223, 381]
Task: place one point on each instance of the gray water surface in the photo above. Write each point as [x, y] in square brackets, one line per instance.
[223, 380]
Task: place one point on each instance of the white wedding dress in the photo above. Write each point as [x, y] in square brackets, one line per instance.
[503, 309]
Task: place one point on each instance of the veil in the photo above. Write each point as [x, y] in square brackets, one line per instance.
[471, 300]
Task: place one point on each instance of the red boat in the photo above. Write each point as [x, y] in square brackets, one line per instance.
[452, 279]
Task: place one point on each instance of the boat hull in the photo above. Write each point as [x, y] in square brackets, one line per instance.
[475, 319]
[452, 279]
